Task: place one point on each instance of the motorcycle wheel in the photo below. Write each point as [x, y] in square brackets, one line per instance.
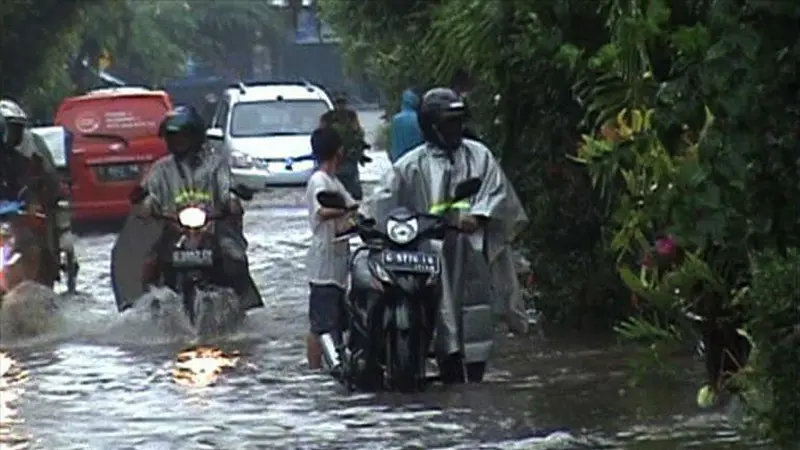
[475, 371]
[404, 370]
[451, 369]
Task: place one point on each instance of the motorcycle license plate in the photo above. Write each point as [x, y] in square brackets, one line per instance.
[193, 258]
[410, 261]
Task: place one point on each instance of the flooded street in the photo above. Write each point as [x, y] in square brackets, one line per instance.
[107, 386]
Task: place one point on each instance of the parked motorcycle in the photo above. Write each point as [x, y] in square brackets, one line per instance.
[393, 302]
[190, 266]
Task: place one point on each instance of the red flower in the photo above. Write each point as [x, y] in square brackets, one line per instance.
[666, 246]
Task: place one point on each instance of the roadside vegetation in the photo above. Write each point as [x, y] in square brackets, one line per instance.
[51, 48]
[656, 145]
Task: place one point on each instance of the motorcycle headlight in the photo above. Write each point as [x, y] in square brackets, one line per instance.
[402, 232]
[239, 160]
[192, 217]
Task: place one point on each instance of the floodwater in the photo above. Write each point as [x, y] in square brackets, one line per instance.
[109, 385]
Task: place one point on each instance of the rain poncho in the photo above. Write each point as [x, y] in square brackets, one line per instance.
[172, 184]
[424, 180]
[32, 166]
[404, 133]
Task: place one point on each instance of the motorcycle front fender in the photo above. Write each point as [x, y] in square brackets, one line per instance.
[398, 317]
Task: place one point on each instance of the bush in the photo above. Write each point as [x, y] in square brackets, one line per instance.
[773, 309]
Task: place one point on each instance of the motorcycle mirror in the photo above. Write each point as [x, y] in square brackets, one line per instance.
[138, 194]
[330, 199]
[467, 188]
[243, 192]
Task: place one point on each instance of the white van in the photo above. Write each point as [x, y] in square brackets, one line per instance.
[265, 129]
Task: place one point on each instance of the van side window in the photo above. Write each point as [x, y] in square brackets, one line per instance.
[221, 118]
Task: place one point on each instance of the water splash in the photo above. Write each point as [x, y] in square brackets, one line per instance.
[29, 310]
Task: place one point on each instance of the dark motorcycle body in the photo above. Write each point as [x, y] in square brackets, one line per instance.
[394, 299]
[178, 251]
[391, 309]
[189, 267]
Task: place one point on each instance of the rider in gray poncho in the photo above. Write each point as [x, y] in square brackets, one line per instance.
[424, 180]
[192, 173]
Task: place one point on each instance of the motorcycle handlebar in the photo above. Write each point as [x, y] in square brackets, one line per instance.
[361, 228]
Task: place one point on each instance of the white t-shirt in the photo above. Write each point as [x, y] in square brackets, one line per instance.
[327, 260]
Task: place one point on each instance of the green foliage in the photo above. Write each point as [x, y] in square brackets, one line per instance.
[148, 40]
[773, 306]
[35, 36]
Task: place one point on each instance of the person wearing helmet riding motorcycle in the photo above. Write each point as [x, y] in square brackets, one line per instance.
[424, 180]
[28, 171]
[192, 172]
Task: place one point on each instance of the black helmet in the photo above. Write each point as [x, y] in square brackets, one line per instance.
[184, 120]
[441, 118]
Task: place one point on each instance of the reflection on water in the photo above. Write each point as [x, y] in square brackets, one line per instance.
[12, 379]
[202, 366]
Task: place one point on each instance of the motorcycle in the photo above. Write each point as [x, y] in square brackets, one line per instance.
[21, 228]
[393, 303]
[191, 264]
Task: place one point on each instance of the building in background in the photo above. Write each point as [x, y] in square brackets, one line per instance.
[312, 53]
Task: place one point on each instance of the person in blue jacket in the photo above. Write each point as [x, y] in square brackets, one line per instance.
[404, 133]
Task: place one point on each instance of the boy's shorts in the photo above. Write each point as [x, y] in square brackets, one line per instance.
[325, 303]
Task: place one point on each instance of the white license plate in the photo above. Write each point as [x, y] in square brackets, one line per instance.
[193, 258]
[414, 262]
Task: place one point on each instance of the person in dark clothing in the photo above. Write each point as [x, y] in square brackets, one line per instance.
[27, 173]
[345, 121]
[12, 165]
[193, 174]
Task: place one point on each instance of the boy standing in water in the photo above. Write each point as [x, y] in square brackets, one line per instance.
[327, 260]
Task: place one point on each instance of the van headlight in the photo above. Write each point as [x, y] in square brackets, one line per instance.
[239, 160]
[402, 232]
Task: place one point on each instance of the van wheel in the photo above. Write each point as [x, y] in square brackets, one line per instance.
[475, 372]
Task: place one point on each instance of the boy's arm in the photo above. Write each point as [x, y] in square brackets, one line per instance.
[315, 186]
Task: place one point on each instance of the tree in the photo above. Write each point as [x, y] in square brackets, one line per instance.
[35, 36]
[49, 47]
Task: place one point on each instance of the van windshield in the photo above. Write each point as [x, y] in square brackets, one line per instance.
[128, 118]
[276, 118]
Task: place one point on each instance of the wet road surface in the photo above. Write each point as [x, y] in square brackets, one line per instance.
[109, 385]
